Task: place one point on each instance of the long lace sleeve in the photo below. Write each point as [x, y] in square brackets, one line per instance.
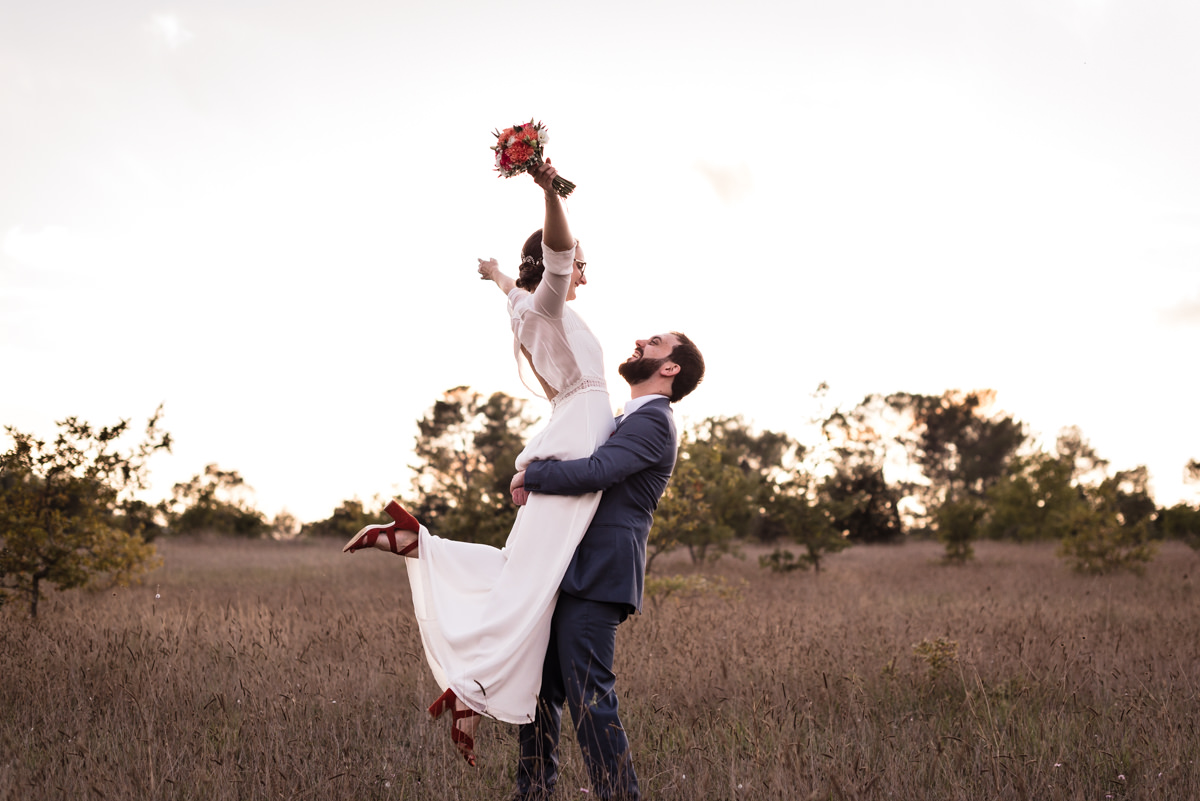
[551, 294]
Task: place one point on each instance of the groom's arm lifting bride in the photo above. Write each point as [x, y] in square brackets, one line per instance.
[604, 581]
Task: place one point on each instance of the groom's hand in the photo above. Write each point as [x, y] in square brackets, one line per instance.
[517, 488]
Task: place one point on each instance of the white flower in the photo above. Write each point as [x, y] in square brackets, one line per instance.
[543, 137]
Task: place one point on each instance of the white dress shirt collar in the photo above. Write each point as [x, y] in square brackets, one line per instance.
[634, 404]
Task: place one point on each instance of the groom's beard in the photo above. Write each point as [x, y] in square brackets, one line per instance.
[641, 370]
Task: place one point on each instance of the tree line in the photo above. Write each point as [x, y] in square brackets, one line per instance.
[892, 467]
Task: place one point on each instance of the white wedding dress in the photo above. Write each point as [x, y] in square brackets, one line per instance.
[485, 612]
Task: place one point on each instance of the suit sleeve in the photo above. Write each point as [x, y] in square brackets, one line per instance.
[640, 442]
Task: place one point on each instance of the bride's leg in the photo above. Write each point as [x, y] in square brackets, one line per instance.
[405, 544]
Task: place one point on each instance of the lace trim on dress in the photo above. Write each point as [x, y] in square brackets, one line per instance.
[579, 387]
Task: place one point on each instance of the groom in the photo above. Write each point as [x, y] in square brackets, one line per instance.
[603, 583]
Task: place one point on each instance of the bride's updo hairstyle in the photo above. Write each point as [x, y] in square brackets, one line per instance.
[530, 273]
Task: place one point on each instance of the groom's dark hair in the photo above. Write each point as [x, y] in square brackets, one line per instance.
[529, 274]
[691, 367]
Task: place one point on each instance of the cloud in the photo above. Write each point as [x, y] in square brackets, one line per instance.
[170, 30]
[730, 183]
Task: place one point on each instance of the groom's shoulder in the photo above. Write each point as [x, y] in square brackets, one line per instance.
[654, 424]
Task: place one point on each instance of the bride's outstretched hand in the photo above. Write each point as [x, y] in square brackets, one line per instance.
[488, 270]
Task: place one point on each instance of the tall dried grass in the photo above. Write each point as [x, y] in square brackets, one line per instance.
[256, 670]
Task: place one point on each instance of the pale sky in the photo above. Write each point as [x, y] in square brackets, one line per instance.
[266, 215]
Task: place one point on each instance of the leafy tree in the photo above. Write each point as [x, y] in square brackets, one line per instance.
[740, 468]
[957, 524]
[61, 508]
[914, 452]
[1180, 522]
[795, 513]
[1086, 465]
[960, 449]
[1099, 539]
[1034, 499]
[285, 526]
[860, 503]
[684, 517]
[872, 475]
[216, 501]
[466, 449]
[345, 521]
[1131, 497]
[141, 519]
[961, 452]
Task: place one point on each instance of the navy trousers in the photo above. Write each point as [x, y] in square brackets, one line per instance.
[578, 672]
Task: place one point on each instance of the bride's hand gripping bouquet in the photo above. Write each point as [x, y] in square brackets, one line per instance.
[519, 149]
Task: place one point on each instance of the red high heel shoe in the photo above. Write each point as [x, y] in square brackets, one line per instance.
[402, 521]
[463, 741]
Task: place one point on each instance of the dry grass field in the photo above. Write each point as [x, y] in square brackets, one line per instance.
[258, 670]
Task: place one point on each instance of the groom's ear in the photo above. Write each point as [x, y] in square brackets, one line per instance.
[668, 369]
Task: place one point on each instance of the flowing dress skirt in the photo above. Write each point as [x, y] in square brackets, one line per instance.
[485, 612]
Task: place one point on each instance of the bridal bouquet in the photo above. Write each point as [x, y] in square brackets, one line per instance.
[519, 149]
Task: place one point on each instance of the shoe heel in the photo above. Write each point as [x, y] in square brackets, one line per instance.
[403, 519]
[445, 701]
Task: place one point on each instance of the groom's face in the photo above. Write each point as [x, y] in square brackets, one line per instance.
[648, 356]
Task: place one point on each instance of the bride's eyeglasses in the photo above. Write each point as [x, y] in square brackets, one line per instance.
[580, 265]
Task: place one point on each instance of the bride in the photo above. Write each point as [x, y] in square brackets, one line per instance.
[484, 613]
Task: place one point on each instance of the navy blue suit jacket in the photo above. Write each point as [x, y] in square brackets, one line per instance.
[632, 468]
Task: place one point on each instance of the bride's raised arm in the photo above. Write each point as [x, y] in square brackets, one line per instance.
[556, 233]
[558, 248]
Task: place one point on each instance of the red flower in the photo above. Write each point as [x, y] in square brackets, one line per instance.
[518, 152]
